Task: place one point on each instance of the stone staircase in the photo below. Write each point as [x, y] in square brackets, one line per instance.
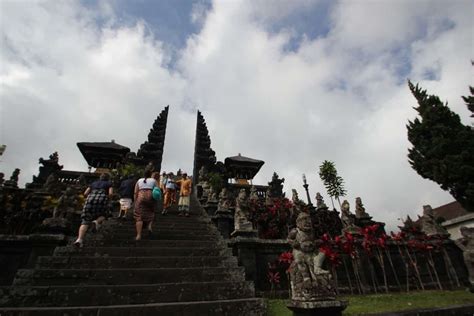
[184, 268]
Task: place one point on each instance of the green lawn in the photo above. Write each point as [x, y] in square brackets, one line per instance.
[388, 302]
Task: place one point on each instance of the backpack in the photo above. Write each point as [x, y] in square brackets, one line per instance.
[156, 193]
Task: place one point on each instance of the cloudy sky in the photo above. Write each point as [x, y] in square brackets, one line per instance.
[292, 83]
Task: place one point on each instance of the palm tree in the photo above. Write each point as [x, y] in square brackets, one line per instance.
[334, 184]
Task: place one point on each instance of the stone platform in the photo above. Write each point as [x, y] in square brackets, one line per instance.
[315, 308]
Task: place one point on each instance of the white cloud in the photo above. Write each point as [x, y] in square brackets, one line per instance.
[341, 97]
[84, 83]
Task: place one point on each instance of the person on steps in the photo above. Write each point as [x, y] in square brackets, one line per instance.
[95, 207]
[159, 202]
[163, 179]
[184, 194]
[145, 205]
[126, 192]
[170, 193]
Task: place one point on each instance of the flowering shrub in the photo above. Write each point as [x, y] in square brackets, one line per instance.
[285, 259]
[271, 220]
[331, 250]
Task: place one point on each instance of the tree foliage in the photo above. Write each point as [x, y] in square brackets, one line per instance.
[470, 101]
[216, 181]
[443, 148]
[333, 183]
[130, 169]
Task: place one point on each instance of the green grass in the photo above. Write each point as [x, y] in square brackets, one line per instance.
[359, 304]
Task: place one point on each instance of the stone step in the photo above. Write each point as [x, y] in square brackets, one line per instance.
[174, 218]
[79, 277]
[161, 222]
[83, 262]
[102, 295]
[158, 223]
[161, 235]
[158, 231]
[236, 307]
[141, 251]
[155, 227]
[131, 242]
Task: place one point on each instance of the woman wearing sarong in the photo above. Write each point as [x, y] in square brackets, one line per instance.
[95, 207]
[145, 205]
[170, 193]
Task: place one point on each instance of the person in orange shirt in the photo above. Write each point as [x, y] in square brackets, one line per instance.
[184, 193]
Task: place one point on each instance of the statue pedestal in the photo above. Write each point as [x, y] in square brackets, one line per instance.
[224, 220]
[250, 233]
[313, 308]
[56, 226]
[210, 207]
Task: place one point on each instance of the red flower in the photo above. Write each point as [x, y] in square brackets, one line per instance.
[381, 242]
[398, 237]
[274, 277]
[349, 237]
[331, 255]
[325, 238]
[286, 257]
[374, 228]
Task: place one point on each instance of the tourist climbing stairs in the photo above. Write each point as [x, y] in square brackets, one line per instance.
[183, 268]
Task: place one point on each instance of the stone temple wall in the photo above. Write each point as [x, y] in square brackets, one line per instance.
[257, 255]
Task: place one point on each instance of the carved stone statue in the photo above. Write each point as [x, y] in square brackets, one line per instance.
[52, 184]
[429, 225]
[225, 201]
[294, 196]
[308, 280]
[68, 204]
[268, 198]
[298, 205]
[320, 205]
[466, 244]
[202, 174]
[409, 226]
[241, 216]
[360, 209]
[223, 216]
[13, 182]
[347, 218]
[211, 195]
[203, 184]
[253, 194]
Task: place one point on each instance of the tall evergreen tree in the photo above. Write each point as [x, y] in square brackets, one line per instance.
[443, 148]
[470, 101]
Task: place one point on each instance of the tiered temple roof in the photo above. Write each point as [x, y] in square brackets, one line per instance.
[240, 167]
[103, 154]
